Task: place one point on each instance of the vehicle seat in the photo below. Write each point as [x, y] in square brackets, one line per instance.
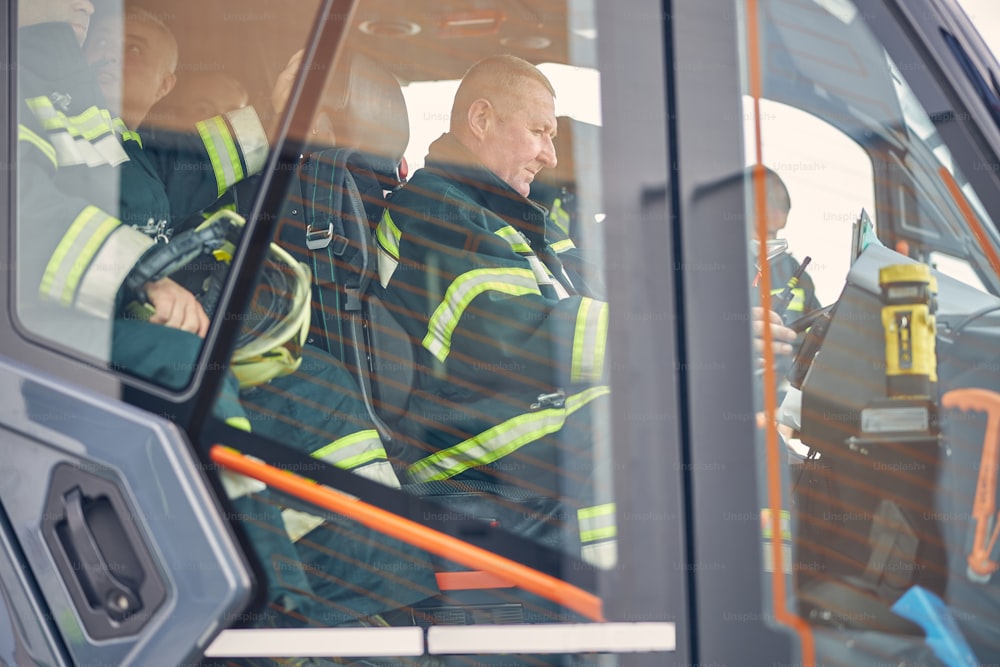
[328, 222]
[329, 225]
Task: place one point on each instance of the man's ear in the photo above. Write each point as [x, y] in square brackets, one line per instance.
[480, 116]
[166, 85]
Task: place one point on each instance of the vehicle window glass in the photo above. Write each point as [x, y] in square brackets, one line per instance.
[859, 408]
[956, 268]
[133, 129]
[455, 349]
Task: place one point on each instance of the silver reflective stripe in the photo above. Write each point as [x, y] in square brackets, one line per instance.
[237, 485]
[387, 237]
[91, 124]
[589, 340]
[562, 246]
[88, 138]
[111, 150]
[74, 253]
[251, 138]
[386, 267]
[460, 294]
[597, 523]
[502, 439]
[67, 152]
[543, 277]
[111, 265]
[514, 238]
[352, 449]
[602, 554]
[379, 471]
[298, 523]
[215, 136]
[89, 152]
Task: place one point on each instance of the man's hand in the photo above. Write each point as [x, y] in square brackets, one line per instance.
[781, 336]
[283, 85]
[176, 307]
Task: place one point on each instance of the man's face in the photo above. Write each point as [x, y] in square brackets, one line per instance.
[133, 64]
[776, 220]
[517, 143]
[200, 96]
[75, 12]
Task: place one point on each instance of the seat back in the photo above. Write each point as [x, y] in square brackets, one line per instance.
[328, 225]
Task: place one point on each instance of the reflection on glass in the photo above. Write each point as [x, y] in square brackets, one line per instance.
[878, 468]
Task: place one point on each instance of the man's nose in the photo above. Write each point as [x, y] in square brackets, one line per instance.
[548, 154]
[85, 6]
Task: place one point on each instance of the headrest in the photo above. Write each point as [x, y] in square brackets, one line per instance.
[366, 108]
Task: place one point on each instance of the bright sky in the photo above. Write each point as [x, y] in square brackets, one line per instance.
[985, 14]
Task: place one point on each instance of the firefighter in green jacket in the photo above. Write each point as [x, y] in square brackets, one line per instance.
[510, 396]
[317, 408]
[73, 151]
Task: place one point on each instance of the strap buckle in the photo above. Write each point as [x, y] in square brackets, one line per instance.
[556, 399]
[317, 239]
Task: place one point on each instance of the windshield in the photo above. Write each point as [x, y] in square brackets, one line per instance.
[884, 294]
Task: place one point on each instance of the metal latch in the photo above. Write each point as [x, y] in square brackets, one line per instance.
[316, 238]
[556, 399]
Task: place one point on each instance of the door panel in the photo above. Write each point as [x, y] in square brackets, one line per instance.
[114, 516]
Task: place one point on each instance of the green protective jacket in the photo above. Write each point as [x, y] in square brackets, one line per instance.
[321, 572]
[88, 188]
[510, 387]
[174, 175]
[73, 248]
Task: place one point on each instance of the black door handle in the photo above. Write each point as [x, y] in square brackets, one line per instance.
[94, 571]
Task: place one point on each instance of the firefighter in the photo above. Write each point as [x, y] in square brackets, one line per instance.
[511, 381]
[782, 267]
[72, 156]
[316, 408]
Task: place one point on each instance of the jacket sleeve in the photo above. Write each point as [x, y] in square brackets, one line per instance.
[476, 302]
[197, 167]
[73, 250]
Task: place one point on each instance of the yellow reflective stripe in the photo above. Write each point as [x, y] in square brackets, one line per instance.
[500, 440]
[597, 523]
[74, 253]
[362, 440]
[596, 511]
[92, 124]
[212, 136]
[129, 135]
[559, 216]
[242, 423]
[234, 154]
[562, 246]
[784, 521]
[589, 340]
[388, 235]
[514, 238]
[25, 134]
[362, 459]
[461, 292]
[249, 135]
[598, 534]
[798, 302]
[108, 270]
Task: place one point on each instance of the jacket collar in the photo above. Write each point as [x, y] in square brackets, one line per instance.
[51, 51]
[449, 158]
